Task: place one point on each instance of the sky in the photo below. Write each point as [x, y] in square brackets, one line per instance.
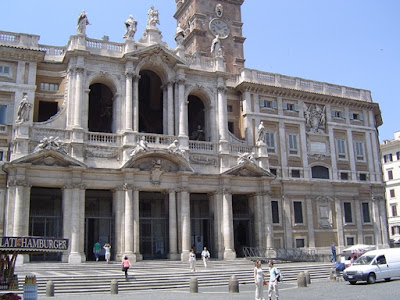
[355, 43]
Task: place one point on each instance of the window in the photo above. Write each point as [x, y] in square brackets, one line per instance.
[392, 193]
[295, 173]
[229, 108]
[356, 116]
[290, 106]
[320, 172]
[363, 176]
[5, 70]
[270, 141]
[381, 260]
[350, 240]
[3, 114]
[268, 103]
[365, 212]
[344, 176]
[337, 114]
[230, 127]
[273, 171]
[348, 218]
[398, 155]
[298, 212]
[275, 212]
[359, 148]
[341, 148]
[390, 174]
[1, 155]
[300, 243]
[387, 158]
[394, 210]
[292, 144]
[53, 87]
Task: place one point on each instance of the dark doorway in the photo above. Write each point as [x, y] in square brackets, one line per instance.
[153, 215]
[201, 223]
[242, 223]
[150, 103]
[47, 110]
[45, 218]
[100, 108]
[98, 221]
[196, 119]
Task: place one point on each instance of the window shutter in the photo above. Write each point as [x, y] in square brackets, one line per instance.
[284, 105]
[10, 114]
[296, 107]
[351, 116]
[274, 104]
[261, 102]
[333, 113]
[361, 117]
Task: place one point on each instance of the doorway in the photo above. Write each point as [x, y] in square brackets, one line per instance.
[242, 223]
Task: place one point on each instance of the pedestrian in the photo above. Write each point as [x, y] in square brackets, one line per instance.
[274, 273]
[192, 260]
[205, 254]
[126, 264]
[107, 248]
[333, 249]
[259, 280]
[97, 250]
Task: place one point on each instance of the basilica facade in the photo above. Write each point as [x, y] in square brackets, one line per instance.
[157, 149]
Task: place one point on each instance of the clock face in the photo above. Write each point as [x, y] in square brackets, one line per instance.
[220, 28]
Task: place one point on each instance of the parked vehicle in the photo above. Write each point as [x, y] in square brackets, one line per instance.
[374, 265]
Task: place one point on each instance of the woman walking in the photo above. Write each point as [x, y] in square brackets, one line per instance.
[192, 260]
[125, 266]
[259, 280]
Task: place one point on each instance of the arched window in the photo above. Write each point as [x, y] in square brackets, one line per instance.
[320, 172]
[100, 108]
[196, 120]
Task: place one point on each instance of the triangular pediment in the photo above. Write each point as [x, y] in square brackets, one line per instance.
[49, 158]
[161, 159]
[248, 169]
[157, 54]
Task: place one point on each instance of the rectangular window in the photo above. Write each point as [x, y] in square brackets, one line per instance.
[295, 173]
[45, 86]
[394, 210]
[341, 148]
[270, 141]
[229, 108]
[337, 114]
[356, 116]
[348, 218]
[363, 177]
[392, 193]
[231, 127]
[390, 175]
[398, 155]
[293, 148]
[359, 148]
[365, 211]
[275, 212]
[5, 70]
[300, 243]
[3, 114]
[298, 212]
[268, 103]
[1, 155]
[350, 240]
[388, 158]
[344, 176]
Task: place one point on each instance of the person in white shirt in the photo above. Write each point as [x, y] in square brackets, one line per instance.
[273, 281]
[205, 254]
[192, 260]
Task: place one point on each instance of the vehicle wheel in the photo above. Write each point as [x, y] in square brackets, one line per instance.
[371, 278]
[353, 282]
[387, 279]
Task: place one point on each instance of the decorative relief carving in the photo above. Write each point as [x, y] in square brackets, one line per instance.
[203, 160]
[315, 118]
[51, 143]
[156, 172]
[101, 152]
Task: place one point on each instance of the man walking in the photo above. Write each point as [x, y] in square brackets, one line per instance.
[333, 249]
[274, 273]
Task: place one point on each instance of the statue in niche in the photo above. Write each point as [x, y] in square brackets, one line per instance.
[23, 110]
[261, 133]
[153, 17]
[216, 49]
[82, 22]
[130, 25]
[315, 118]
[141, 147]
[246, 157]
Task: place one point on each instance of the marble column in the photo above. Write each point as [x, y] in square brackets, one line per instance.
[376, 220]
[170, 108]
[128, 100]
[76, 256]
[118, 210]
[310, 223]
[183, 117]
[222, 114]
[185, 223]
[136, 225]
[227, 225]
[136, 102]
[359, 221]
[339, 222]
[268, 228]
[173, 237]
[78, 97]
[258, 217]
[67, 213]
[287, 217]
[129, 223]
[351, 155]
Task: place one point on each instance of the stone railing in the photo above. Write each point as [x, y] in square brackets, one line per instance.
[29, 41]
[242, 149]
[200, 146]
[273, 79]
[103, 138]
[52, 52]
[157, 139]
[101, 45]
[201, 62]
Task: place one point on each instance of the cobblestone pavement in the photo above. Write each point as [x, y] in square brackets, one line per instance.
[322, 289]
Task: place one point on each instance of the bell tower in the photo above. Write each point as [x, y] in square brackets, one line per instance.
[203, 20]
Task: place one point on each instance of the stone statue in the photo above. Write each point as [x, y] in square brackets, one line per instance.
[261, 133]
[153, 17]
[141, 147]
[216, 49]
[82, 22]
[246, 157]
[315, 118]
[130, 25]
[23, 110]
[173, 148]
[51, 143]
[179, 34]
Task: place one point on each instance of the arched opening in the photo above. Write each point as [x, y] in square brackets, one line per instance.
[320, 172]
[196, 119]
[150, 103]
[100, 108]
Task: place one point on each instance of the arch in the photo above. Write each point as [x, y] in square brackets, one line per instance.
[156, 64]
[101, 108]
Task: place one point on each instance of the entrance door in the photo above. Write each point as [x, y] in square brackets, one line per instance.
[201, 223]
[153, 215]
[242, 223]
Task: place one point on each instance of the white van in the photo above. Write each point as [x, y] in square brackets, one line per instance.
[374, 265]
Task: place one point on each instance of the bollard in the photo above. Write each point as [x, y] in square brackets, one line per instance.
[114, 287]
[308, 277]
[233, 284]
[50, 288]
[194, 285]
[301, 280]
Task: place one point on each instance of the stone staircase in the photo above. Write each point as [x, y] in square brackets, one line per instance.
[94, 277]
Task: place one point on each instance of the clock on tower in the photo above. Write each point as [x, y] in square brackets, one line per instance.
[203, 20]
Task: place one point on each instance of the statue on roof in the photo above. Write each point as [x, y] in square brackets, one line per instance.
[82, 22]
[130, 25]
[153, 17]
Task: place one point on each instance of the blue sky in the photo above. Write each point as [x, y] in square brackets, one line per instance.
[347, 42]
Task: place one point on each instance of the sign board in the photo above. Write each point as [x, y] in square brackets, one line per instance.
[32, 244]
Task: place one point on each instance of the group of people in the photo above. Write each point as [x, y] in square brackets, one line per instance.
[259, 280]
[97, 251]
[205, 255]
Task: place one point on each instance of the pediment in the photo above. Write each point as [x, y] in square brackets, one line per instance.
[160, 159]
[157, 54]
[49, 158]
[248, 169]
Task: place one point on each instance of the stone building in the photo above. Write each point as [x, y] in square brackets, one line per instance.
[158, 149]
[390, 150]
